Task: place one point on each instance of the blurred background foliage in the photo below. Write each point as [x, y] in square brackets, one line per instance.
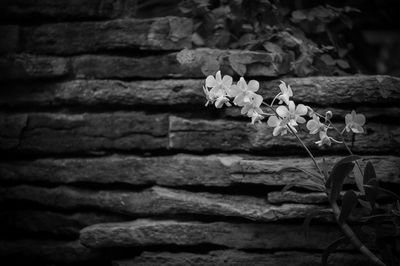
[330, 37]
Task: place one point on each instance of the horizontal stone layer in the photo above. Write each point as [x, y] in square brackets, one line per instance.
[22, 10]
[157, 201]
[165, 33]
[57, 224]
[292, 196]
[145, 232]
[25, 251]
[62, 133]
[84, 133]
[235, 257]
[180, 170]
[24, 66]
[201, 135]
[377, 90]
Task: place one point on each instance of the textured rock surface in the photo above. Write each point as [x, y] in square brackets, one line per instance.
[25, 66]
[234, 257]
[157, 201]
[180, 170]
[166, 33]
[200, 135]
[313, 90]
[84, 133]
[102, 67]
[241, 236]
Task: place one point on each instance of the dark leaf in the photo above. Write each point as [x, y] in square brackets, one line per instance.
[342, 63]
[365, 204]
[371, 191]
[349, 201]
[328, 60]
[325, 168]
[345, 160]
[385, 191]
[369, 172]
[358, 178]
[332, 247]
[339, 172]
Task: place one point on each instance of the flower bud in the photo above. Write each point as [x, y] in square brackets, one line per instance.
[328, 115]
[310, 112]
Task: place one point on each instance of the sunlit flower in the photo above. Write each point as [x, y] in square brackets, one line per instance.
[219, 83]
[255, 117]
[252, 108]
[220, 101]
[314, 125]
[354, 122]
[278, 124]
[243, 92]
[286, 93]
[294, 114]
[324, 138]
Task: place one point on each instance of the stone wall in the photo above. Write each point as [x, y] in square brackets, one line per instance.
[109, 155]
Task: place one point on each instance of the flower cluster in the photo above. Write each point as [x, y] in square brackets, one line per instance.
[287, 116]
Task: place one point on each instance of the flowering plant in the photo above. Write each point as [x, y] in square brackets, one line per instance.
[287, 117]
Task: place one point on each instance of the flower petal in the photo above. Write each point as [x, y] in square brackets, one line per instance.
[227, 82]
[233, 91]
[242, 84]
[273, 121]
[245, 109]
[211, 82]
[239, 99]
[300, 120]
[253, 85]
[292, 107]
[301, 109]
[218, 77]
[257, 100]
[282, 111]
[360, 119]
[356, 128]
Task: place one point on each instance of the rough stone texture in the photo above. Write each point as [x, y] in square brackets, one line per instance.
[106, 67]
[201, 135]
[50, 251]
[314, 90]
[84, 133]
[157, 201]
[145, 232]
[25, 66]
[21, 222]
[236, 258]
[180, 170]
[167, 33]
[292, 196]
[22, 10]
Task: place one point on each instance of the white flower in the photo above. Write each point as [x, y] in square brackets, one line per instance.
[220, 101]
[278, 124]
[294, 114]
[243, 92]
[252, 108]
[354, 122]
[324, 138]
[314, 125]
[286, 93]
[217, 84]
[255, 117]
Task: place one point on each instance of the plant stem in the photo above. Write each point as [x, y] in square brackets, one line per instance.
[298, 138]
[346, 229]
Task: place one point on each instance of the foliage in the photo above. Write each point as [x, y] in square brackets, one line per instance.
[286, 117]
[262, 25]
